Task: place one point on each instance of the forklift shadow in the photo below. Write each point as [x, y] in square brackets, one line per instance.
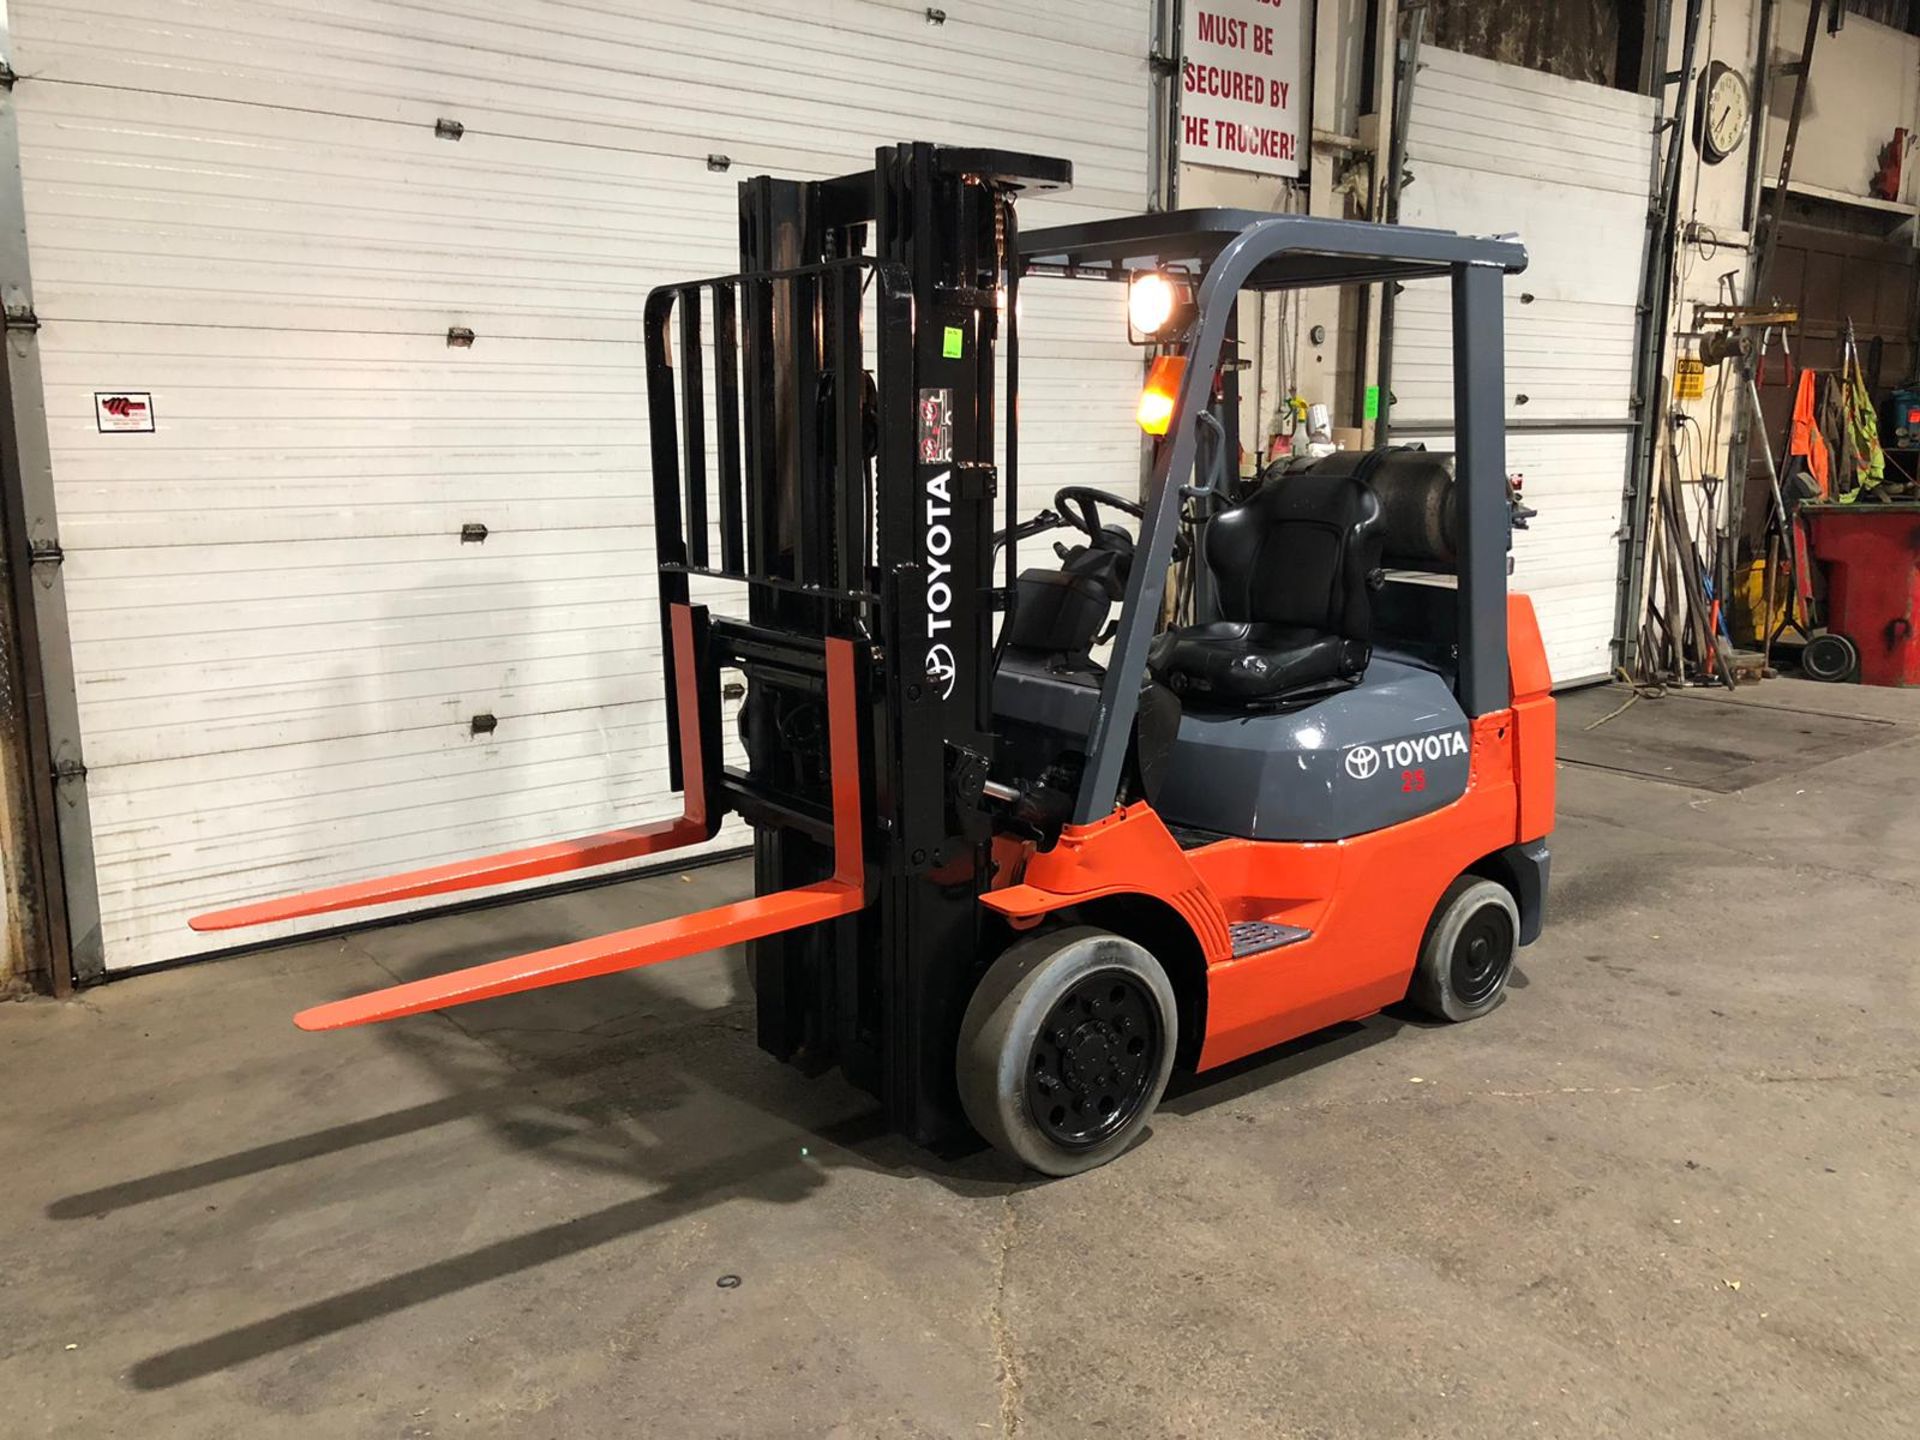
[677, 1100]
[1192, 1094]
[678, 1103]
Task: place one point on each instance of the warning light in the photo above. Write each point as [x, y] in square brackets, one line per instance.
[1156, 400]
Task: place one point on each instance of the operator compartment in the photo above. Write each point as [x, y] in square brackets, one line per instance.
[1312, 696]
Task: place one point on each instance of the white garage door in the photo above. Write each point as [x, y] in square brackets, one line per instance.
[1565, 165]
[280, 638]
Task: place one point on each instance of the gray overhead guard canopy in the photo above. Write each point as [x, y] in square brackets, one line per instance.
[1236, 250]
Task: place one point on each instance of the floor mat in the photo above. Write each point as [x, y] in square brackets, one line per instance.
[1695, 739]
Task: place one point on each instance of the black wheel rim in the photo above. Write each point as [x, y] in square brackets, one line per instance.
[1828, 657]
[1481, 954]
[1094, 1059]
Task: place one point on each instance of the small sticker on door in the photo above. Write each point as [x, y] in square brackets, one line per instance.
[123, 411]
[953, 341]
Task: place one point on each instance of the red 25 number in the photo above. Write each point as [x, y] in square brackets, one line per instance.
[1412, 780]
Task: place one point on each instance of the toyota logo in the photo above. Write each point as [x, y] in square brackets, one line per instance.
[940, 669]
[1363, 762]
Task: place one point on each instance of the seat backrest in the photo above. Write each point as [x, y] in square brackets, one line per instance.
[1302, 551]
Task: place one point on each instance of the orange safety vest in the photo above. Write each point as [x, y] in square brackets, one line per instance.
[1805, 438]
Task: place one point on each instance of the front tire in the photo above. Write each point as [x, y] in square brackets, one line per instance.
[1066, 1048]
[1468, 951]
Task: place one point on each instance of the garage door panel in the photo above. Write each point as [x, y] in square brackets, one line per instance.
[1524, 123]
[335, 226]
[584, 60]
[263, 651]
[587, 60]
[145, 901]
[653, 84]
[1568, 557]
[1496, 148]
[298, 816]
[279, 638]
[1567, 368]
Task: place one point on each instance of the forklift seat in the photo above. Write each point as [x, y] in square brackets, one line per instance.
[1294, 567]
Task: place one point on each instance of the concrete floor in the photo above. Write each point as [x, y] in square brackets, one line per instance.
[1667, 1189]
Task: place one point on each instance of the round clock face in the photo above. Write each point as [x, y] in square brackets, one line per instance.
[1725, 108]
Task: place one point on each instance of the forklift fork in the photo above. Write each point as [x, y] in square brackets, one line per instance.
[843, 893]
[694, 824]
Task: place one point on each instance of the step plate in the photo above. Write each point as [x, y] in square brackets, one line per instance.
[1256, 937]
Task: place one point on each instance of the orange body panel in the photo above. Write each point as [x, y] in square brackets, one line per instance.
[1533, 718]
[704, 930]
[1367, 899]
[1128, 853]
[556, 858]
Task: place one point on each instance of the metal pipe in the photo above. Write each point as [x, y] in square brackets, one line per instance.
[1656, 297]
[1375, 77]
[1390, 207]
[1010, 258]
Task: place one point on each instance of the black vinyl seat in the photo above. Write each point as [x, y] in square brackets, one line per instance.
[1294, 567]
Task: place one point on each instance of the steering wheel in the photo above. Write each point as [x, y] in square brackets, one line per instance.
[1080, 506]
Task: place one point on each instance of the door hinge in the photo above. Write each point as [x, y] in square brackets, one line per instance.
[7, 75]
[21, 317]
[45, 552]
[1163, 64]
[69, 770]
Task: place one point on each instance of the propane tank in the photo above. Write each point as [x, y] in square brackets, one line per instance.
[1417, 507]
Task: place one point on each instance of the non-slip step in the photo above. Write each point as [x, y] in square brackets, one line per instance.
[1255, 937]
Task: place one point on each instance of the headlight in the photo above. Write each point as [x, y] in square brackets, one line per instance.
[1150, 301]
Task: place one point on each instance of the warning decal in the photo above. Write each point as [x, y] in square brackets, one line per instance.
[123, 410]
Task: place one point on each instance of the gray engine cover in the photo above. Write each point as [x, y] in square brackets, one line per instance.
[1395, 746]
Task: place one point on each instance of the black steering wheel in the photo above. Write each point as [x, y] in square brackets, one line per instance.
[1080, 506]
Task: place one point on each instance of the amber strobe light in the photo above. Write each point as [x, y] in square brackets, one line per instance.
[1156, 400]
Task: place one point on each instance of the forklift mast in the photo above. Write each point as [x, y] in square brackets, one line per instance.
[855, 502]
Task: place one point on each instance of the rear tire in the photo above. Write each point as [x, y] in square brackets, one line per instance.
[1066, 1048]
[1468, 950]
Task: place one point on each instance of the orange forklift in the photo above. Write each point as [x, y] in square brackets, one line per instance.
[1007, 877]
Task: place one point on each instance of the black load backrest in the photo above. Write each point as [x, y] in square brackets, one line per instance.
[1301, 552]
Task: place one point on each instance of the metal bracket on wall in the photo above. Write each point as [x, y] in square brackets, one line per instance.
[57, 825]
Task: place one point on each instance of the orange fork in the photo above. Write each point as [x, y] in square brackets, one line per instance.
[557, 858]
[842, 894]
